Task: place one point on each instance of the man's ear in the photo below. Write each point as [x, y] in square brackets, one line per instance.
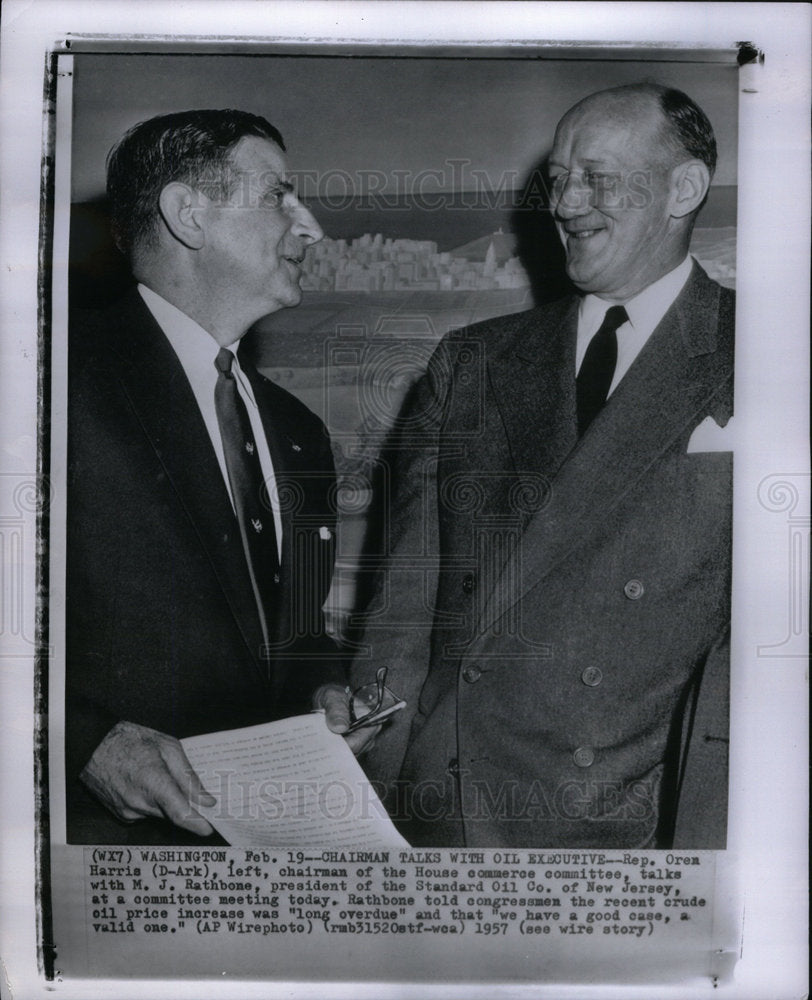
[180, 206]
[689, 185]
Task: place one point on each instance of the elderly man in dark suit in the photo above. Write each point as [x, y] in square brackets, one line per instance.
[554, 603]
[200, 530]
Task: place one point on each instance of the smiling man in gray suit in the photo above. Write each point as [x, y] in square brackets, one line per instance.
[554, 603]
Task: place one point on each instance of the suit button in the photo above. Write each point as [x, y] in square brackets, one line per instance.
[584, 757]
[468, 583]
[471, 675]
[634, 590]
[592, 676]
[454, 766]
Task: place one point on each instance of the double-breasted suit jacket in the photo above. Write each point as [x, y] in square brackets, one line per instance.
[162, 627]
[556, 610]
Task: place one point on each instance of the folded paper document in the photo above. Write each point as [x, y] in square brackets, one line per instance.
[291, 783]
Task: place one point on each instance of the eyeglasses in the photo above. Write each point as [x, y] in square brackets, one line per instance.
[372, 704]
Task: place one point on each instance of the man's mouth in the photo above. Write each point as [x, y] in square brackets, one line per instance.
[298, 261]
[581, 234]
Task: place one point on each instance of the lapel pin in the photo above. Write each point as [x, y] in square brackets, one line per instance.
[295, 446]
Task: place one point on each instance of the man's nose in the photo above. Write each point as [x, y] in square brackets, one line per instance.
[304, 225]
[573, 199]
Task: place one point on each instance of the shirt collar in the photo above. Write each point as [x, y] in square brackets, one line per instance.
[647, 308]
[195, 347]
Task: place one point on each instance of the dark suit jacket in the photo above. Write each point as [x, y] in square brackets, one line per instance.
[556, 610]
[162, 627]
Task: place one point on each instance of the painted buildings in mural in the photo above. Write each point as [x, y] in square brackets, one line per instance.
[377, 264]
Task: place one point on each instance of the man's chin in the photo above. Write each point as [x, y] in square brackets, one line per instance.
[291, 297]
[582, 279]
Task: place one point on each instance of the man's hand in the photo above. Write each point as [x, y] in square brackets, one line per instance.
[335, 700]
[138, 772]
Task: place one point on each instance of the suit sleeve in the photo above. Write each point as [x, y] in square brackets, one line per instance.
[396, 625]
[701, 813]
[320, 658]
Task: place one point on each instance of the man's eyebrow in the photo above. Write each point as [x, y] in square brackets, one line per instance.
[608, 166]
[276, 183]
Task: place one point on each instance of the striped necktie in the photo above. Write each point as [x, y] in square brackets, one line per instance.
[251, 501]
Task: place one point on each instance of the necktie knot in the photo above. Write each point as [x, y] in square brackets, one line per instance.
[615, 317]
[224, 361]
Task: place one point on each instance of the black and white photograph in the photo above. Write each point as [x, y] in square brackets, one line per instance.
[552, 605]
[404, 457]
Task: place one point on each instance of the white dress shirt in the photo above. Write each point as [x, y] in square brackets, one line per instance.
[196, 350]
[645, 311]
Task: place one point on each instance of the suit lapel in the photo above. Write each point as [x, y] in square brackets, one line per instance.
[282, 448]
[534, 387]
[674, 378]
[286, 454]
[301, 487]
[159, 392]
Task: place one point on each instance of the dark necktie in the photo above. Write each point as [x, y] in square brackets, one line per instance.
[251, 501]
[598, 368]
